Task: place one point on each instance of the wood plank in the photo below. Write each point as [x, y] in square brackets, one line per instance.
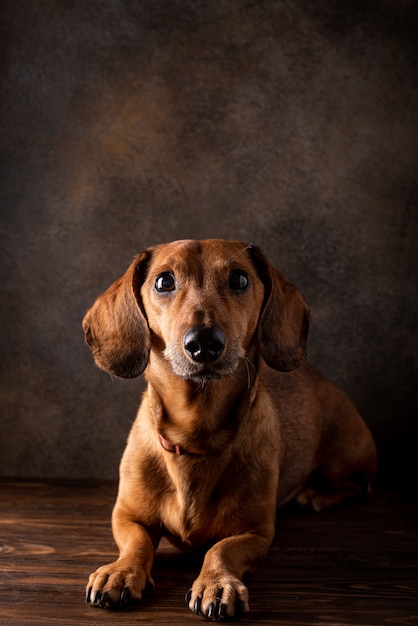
[353, 564]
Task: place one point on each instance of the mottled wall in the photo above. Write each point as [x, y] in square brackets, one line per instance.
[292, 125]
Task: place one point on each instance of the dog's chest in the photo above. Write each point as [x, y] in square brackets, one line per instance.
[186, 523]
[192, 513]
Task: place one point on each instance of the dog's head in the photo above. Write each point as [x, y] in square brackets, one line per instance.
[199, 307]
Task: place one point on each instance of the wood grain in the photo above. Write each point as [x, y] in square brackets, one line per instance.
[355, 564]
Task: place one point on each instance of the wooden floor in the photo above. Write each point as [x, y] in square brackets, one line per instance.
[354, 564]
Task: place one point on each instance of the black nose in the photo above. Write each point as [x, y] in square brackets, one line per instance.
[204, 345]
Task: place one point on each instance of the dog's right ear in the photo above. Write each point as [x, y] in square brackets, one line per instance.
[115, 327]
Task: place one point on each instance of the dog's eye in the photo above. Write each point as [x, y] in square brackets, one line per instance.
[165, 282]
[238, 281]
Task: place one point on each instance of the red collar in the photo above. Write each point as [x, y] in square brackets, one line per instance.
[179, 450]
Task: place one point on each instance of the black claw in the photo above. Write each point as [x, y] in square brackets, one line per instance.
[124, 598]
[88, 595]
[239, 608]
[104, 600]
[222, 611]
[97, 596]
[197, 604]
[188, 597]
[211, 609]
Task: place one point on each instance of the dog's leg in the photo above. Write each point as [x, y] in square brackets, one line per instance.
[319, 500]
[337, 482]
[218, 592]
[129, 578]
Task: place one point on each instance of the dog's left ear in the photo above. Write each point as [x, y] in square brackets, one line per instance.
[284, 320]
[115, 327]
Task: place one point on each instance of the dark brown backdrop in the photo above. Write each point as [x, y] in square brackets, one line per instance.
[292, 125]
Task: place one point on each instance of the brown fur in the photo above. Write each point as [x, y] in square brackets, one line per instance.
[272, 426]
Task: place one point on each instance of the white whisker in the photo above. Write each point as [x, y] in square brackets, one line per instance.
[247, 364]
[237, 254]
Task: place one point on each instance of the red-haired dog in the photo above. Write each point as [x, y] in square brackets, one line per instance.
[234, 421]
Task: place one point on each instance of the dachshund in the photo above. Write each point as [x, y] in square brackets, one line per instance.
[234, 421]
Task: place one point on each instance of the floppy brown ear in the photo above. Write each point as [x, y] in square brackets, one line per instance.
[115, 327]
[284, 321]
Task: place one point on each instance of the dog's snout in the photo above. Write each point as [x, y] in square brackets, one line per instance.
[204, 345]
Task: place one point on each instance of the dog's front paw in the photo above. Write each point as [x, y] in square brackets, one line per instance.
[218, 597]
[118, 584]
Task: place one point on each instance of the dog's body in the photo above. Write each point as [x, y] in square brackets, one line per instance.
[233, 422]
